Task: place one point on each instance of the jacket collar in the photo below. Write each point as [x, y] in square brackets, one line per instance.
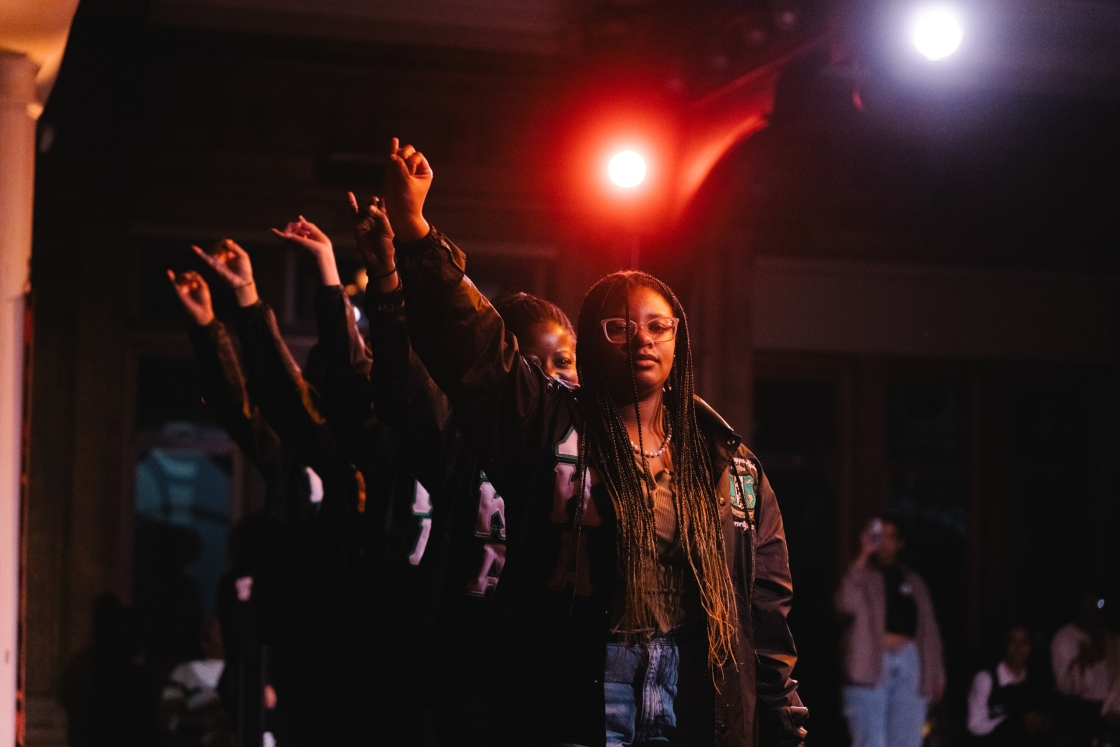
[725, 442]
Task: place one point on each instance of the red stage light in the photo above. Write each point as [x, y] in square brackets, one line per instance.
[627, 169]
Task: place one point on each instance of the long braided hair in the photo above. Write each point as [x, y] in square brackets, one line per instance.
[607, 445]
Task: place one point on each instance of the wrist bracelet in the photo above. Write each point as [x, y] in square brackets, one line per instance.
[382, 277]
[245, 285]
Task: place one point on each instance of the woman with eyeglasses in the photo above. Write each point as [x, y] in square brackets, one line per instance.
[646, 582]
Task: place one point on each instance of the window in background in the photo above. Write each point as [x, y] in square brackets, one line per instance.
[187, 493]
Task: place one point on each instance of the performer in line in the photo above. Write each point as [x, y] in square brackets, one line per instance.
[354, 579]
[461, 555]
[259, 596]
[646, 581]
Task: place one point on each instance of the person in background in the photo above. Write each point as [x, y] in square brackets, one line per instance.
[242, 602]
[891, 645]
[192, 712]
[1007, 704]
[1085, 656]
[109, 692]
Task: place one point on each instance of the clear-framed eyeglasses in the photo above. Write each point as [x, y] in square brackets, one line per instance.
[660, 329]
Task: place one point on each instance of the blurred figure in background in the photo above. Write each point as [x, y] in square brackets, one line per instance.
[191, 710]
[248, 660]
[168, 603]
[1086, 658]
[109, 694]
[892, 645]
[1008, 706]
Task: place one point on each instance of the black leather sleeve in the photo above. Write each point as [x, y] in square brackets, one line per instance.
[782, 717]
[405, 397]
[505, 406]
[275, 381]
[225, 393]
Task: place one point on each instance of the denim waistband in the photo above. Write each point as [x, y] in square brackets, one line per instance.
[689, 631]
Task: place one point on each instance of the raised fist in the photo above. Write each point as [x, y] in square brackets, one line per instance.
[407, 181]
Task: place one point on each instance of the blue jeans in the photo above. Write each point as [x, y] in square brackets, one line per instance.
[893, 713]
[658, 692]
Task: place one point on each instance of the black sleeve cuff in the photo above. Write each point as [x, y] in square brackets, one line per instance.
[253, 309]
[327, 296]
[410, 245]
[207, 336]
[785, 726]
[387, 303]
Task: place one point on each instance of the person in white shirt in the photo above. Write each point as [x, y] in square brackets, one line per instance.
[192, 712]
[1006, 706]
[1086, 658]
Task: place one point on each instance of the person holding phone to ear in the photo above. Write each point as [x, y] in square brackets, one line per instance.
[892, 645]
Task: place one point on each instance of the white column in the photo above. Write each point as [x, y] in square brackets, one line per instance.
[18, 110]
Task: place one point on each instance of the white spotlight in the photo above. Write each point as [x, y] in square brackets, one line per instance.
[937, 32]
[627, 169]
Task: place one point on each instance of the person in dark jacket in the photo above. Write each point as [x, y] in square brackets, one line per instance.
[646, 578]
[259, 592]
[460, 558]
[467, 544]
[344, 605]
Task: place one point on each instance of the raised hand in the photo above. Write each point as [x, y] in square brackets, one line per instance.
[374, 236]
[307, 235]
[407, 181]
[194, 294]
[232, 264]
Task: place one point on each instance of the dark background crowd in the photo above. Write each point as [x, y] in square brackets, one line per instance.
[902, 289]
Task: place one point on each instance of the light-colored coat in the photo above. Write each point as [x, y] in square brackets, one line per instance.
[862, 601]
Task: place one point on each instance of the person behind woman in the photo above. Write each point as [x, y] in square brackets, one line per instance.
[1007, 704]
[646, 581]
[461, 555]
[467, 548]
[892, 646]
[543, 331]
[349, 568]
[260, 595]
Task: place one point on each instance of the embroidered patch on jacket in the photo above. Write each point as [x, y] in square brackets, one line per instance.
[742, 493]
[746, 466]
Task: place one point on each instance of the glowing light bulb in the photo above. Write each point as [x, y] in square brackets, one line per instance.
[937, 32]
[627, 169]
